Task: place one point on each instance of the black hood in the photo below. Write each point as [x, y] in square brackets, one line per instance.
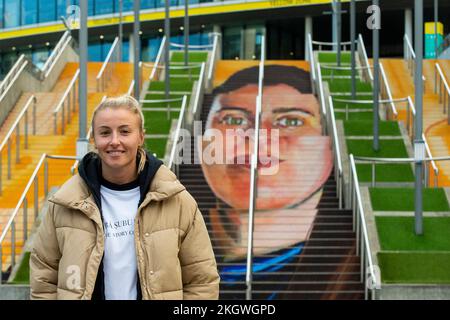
[90, 170]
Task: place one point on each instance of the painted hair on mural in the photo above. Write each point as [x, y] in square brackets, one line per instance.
[273, 75]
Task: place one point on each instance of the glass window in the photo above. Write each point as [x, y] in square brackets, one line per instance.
[1, 14]
[125, 50]
[232, 37]
[29, 11]
[127, 5]
[47, 10]
[12, 13]
[103, 7]
[39, 57]
[91, 7]
[94, 52]
[61, 8]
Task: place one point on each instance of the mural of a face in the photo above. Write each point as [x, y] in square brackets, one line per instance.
[305, 159]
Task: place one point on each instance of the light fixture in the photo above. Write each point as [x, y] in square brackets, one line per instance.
[13, 48]
[47, 44]
[160, 30]
[102, 36]
[236, 58]
[203, 26]
[30, 46]
[181, 28]
[140, 32]
[253, 57]
[291, 53]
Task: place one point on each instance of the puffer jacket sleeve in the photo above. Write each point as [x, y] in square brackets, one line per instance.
[44, 259]
[198, 264]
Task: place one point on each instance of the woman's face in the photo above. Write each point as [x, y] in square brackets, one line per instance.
[117, 136]
[304, 157]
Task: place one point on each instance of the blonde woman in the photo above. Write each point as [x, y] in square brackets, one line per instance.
[123, 228]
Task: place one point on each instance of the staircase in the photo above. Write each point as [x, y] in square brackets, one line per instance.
[46, 142]
[326, 267]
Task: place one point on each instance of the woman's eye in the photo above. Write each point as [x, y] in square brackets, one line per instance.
[234, 121]
[286, 122]
[104, 133]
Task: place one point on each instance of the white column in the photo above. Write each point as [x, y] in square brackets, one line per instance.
[408, 28]
[308, 30]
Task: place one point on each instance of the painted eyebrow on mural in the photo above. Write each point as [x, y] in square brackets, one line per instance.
[231, 108]
[286, 110]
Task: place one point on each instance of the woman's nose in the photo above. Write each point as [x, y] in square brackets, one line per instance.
[114, 139]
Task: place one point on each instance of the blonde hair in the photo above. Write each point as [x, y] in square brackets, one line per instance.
[129, 103]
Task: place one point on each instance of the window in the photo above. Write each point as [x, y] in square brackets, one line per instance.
[12, 14]
[29, 11]
[47, 10]
[103, 7]
[1, 14]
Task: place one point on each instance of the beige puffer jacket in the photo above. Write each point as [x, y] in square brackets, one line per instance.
[174, 254]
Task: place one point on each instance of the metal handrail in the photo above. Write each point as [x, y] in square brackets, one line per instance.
[16, 128]
[334, 67]
[254, 175]
[363, 52]
[312, 66]
[200, 87]
[432, 162]
[60, 106]
[350, 101]
[180, 125]
[50, 60]
[443, 84]
[388, 90]
[8, 79]
[62, 44]
[339, 173]
[214, 58]
[158, 58]
[11, 224]
[321, 44]
[321, 93]
[193, 46]
[362, 237]
[14, 74]
[106, 64]
[130, 88]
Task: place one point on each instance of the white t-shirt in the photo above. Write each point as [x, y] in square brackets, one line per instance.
[119, 210]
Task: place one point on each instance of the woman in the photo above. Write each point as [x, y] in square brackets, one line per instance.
[123, 227]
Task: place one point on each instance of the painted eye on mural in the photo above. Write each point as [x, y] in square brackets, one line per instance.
[234, 120]
[288, 122]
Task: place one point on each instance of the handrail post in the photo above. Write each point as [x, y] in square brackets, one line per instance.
[36, 197]
[9, 158]
[34, 115]
[25, 220]
[26, 130]
[46, 177]
[18, 143]
[373, 174]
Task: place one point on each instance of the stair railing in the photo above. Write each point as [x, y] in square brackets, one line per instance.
[331, 45]
[200, 90]
[8, 238]
[386, 93]
[410, 127]
[15, 134]
[108, 65]
[155, 75]
[56, 53]
[322, 101]
[442, 88]
[338, 172]
[312, 63]
[254, 175]
[68, 100]
[214, 58]
[369, 275]
[410, 55]
[364, 60]
[12, 75]
[174, 160]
